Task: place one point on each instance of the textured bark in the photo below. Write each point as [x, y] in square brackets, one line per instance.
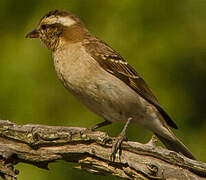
[39, 145]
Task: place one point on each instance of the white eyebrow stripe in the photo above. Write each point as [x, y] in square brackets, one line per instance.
[66, 21]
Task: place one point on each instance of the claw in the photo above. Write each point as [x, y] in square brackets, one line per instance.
[153, 141]
[84, 131]
[118, 142]
[117, 146]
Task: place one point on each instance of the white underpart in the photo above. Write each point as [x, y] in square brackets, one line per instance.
[66, 21]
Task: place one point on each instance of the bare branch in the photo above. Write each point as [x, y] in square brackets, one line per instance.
[40, 144]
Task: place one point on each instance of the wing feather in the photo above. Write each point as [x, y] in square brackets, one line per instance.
[113, 63]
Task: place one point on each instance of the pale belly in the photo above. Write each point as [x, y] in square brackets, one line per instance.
[103, 93]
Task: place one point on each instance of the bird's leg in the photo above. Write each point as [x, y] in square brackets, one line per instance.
[116, 145]
[99, 125]
[95, 127]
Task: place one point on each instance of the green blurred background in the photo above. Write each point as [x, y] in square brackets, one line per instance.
[164, 40]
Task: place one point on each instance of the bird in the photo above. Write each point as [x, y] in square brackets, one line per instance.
[101, 79]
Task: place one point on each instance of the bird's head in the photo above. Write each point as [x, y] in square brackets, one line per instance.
[58, 27]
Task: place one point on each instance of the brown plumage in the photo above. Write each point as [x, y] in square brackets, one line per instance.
[102, 80]
[112, 62]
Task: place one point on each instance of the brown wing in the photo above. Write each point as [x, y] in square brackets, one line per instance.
[113, 63]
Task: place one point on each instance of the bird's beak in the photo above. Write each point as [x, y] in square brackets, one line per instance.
[33, 34]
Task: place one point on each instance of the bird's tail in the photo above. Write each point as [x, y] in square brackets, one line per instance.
[176, 145]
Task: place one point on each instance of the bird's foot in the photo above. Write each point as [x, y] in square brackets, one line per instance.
[153, 141]
[84, 131]
[95, 127]
[116, 145]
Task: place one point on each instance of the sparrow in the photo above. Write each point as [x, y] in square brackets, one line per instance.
[102, 80]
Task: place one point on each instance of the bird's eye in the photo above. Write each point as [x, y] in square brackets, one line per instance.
[43, 26]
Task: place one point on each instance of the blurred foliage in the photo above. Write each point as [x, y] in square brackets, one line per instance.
[164, 40]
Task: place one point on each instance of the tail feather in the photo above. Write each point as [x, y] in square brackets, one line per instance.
[175, 145]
